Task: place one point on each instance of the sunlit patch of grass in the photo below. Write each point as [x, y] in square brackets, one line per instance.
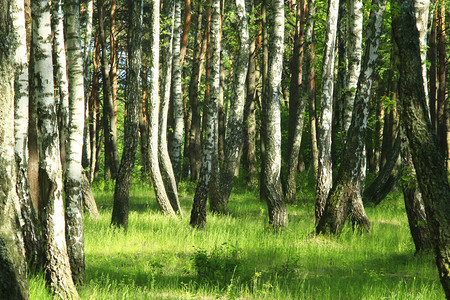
[243, 259]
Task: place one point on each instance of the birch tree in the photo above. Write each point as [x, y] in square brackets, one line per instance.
[153, 111]
[235, 124]
[272, 117]
[176, 96]
[165, 163]
[428, 161]
[13, 268]
[30, 229]
[123, 181]
[56, 266]
[345, 195]
[324, 173]
[209, 147]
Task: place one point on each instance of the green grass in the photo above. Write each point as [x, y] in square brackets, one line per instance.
[238, 257]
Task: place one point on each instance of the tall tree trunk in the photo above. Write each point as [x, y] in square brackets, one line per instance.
[234, 126]
[296, 108]
[433, 57]
[57, 268]
[272, 117]
[265, 13]
[87, 76]
[153, 111]
[176, 96]
[61, 76]
[143, 126]
[195, 150]
[72, 184]
[421, 10]
[428, 160]
[312, 93]
[249, 148]
[345, 196]
[443, 130]
[186, 29]
[354, 52]
[165, 163]
[13, 267]
[324, 174]
[110, 125]
[123, 181]
[415, 210]
[30, 229]
[209, 148]
[94, 107]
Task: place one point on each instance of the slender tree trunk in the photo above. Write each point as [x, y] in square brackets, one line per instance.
[433, 57]
[312, 94]
[13, 267]
[249, 148]
[155, 173]
[234, 126]
[143, 126]
[421, 10]
[29, 223]
[324, 174]
[186, 29]
[345, 196]
[72, 184]
[165, 163]
[123, 181]
[110, 127]
[61, 76]
[209, 148]
[94, 107]
[87, 76]
[428, 161]
[195, 132]
[265, 13]
[272, 117]
[57, 268]
[176, 96]
[296, 108]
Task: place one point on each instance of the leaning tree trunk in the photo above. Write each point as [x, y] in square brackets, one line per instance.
[72, 184]
[415, 209]
[421, 9]
[176, 96]
[324, 173]
[296, 109]
[233, 140]
[345, 195]
[153, 111]
[30, 229]
[13, 267]
[123, 181]
[165, 163]
[272, 117]
[56, 266]
[428, 160]
[209, 147]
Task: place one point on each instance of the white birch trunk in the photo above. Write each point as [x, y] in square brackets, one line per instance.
[324, 173]
[13, 268]
[272, 117]
[153, 111]
[74, 169]
[61, 76]
[167, 170]
[177, 101]
[354, 53]
[198, 213]
[421, 9]
[28, 215]
[234, 134]
[56, 267]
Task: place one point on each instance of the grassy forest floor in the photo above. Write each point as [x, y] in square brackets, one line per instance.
[238, 257]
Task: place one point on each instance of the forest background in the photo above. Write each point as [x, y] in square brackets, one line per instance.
[309, 106]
